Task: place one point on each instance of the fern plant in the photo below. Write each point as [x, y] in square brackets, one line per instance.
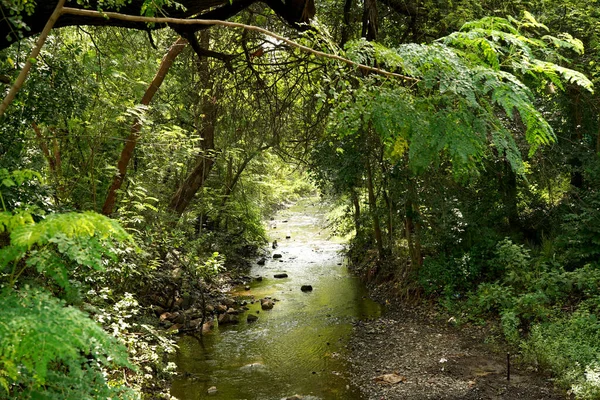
[48, 349]
[474, 89]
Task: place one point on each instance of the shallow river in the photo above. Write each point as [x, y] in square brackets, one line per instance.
[298, 346]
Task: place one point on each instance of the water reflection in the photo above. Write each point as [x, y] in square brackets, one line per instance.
[298, 346]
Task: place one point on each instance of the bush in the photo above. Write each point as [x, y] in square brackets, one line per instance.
[569, 347]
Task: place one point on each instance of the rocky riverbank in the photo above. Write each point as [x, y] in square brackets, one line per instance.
[413, 352]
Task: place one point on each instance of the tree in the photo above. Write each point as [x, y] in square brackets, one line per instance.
[33, 15]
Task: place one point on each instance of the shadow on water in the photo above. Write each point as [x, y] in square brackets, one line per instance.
[298, 347]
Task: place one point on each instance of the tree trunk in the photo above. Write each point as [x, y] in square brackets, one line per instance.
[347, 27]
[598, 143]
[131, 141]
[233, 179]
[206, 160]
[53, 159]
[370, 20]
[373, 207]
[356, 205]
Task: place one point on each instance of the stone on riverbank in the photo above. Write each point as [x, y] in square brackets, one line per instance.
[221, 308]
[306, 288]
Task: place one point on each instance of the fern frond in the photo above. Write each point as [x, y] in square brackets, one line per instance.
[491, 23]
[530, 22]
[565, 41]
[39, 334]
[549, 70]
[71, 225]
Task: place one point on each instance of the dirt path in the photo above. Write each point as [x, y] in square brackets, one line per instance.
[434, 360]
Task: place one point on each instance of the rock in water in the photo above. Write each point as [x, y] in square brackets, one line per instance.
[277, 255]
[306, 288]
[251, 318]
[282, 275]
[225, 319]
[212, 390]
[262, 261]
[266, 304]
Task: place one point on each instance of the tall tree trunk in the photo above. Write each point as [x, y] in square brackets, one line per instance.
[347, 27]
[356, 205]
[206, 160]
[131, 141]
[389, 215]
[53, 159]
[373, 207]
[233, 179]
[370, 20]
[598, 142]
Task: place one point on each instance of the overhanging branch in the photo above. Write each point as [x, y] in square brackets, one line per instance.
[291, 43]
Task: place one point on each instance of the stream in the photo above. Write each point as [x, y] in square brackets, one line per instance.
[298, 347]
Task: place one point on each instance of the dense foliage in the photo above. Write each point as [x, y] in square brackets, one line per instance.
[464, 163]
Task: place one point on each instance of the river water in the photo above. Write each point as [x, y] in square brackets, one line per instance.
[298, 347]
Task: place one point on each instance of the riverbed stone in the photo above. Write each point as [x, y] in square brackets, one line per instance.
[251, 318]
[261, 261]
[259, 279]
[232, 311]
[209, 309]
[281, 275]
[267, 304]
[277, 255]
[306, 288]
[212, 390]
[225, 319]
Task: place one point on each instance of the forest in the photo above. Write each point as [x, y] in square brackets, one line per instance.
[149, 149]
